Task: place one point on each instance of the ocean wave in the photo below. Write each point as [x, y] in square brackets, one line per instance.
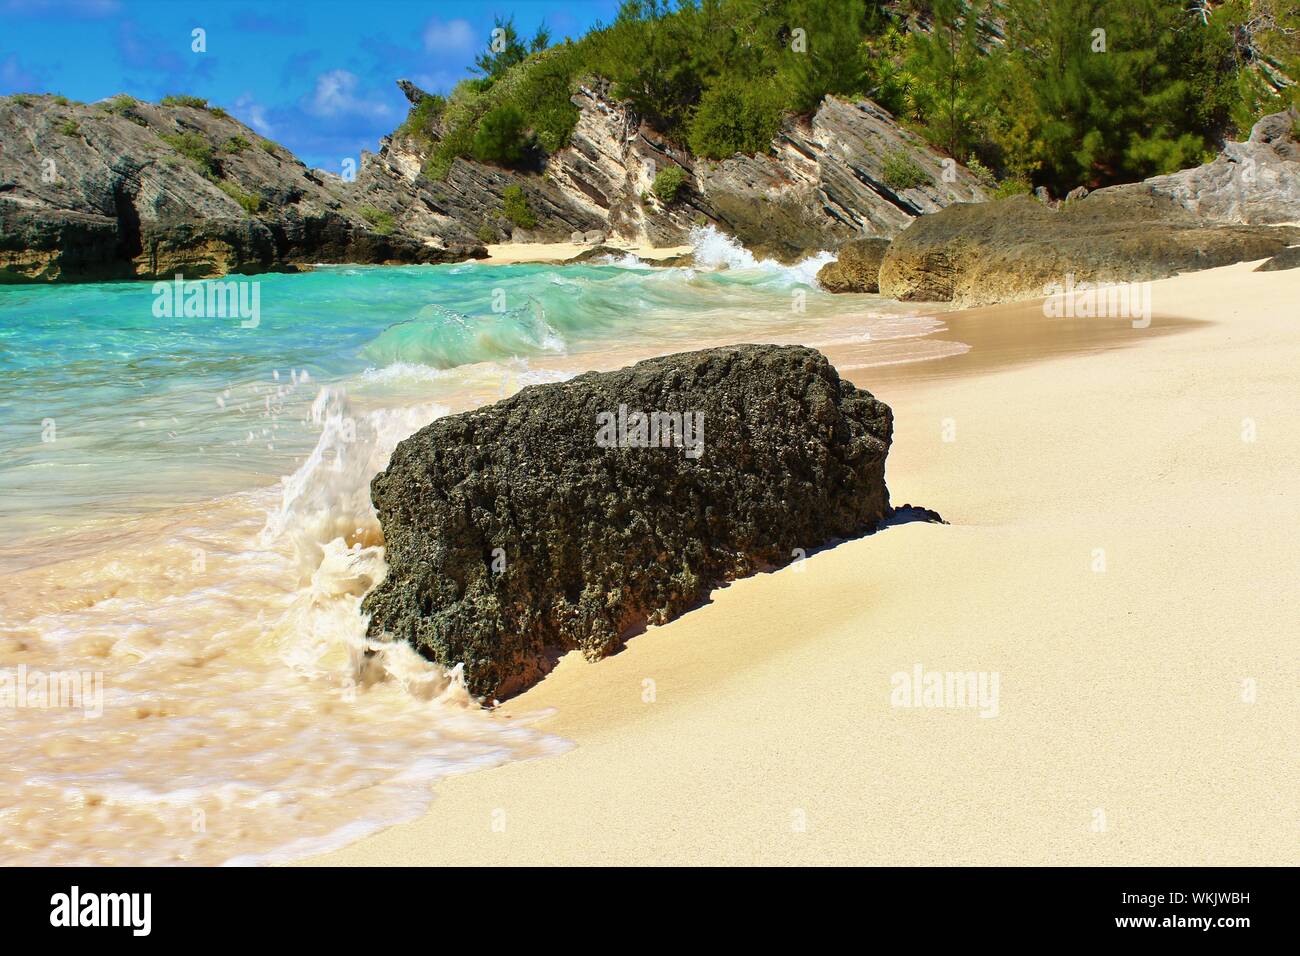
[440, 338]
[717, 250]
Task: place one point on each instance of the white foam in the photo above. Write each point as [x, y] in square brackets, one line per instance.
[717, 250]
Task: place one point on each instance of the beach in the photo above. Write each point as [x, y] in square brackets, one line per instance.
[507, 253]
[1119, 563]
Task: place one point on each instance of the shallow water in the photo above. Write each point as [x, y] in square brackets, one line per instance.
[187, 528]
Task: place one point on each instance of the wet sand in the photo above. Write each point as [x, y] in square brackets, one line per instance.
[1120, 554]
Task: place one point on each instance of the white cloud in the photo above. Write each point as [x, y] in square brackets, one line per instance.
[449, 36]
[336, 95]
[253, 113]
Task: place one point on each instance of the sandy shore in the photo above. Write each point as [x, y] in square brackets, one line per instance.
[510, 252]
[1121, 554]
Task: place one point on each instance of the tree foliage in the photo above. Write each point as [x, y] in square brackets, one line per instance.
[1055, 93]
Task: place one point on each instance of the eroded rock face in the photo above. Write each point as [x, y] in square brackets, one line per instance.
[824, 182]
[1286, 259]
[827, 181]
[856, 267]
[1212, 215]
[515, 530]
[1257, 181]
[87, 193]
[1014, 248]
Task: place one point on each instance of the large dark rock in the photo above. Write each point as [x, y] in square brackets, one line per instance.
[596, 541]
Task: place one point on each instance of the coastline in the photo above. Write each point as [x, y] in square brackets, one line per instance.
[1123, 733]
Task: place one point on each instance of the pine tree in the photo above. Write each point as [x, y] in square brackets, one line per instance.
[947, 65]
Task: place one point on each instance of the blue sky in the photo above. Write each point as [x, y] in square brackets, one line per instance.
[319, 77]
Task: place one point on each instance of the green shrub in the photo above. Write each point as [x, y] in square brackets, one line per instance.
[179, 99]
[268, 146]
[251, 202]
[196, 149]
[500, 137]
[1012, 187]
[118, 104]
[516, 207]
[902, 172]
[668, 182]
[486, 234]
[70, 128]
[734, 116]
[380, 219]
[218, 112]
[61, 100]
[542, 88]
[236, 144]
[981, 172]
[504, 118]
[422, 122]
[22, 99]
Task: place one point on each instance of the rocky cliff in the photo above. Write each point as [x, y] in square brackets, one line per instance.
[128, 189]
[849, 171]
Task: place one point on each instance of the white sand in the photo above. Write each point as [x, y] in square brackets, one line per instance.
[772, 739]
[511, 252]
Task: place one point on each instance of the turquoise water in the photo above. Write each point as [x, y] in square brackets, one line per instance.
[187, 527]
[108, 409]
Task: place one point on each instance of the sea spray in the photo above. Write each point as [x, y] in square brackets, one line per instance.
[246, 716]
[717, 250]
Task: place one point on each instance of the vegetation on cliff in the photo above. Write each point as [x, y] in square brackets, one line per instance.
[1055, 93]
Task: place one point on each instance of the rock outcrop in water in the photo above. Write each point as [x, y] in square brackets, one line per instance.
[1012, 249]
[542, 523]
[128, 189]
[856, 267]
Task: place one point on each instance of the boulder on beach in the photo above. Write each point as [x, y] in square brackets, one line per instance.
[1213, 215]
[1013, 249]
[1257, 181]
[856, 268]
[570, 515]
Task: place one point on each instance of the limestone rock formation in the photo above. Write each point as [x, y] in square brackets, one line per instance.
[1014, 248]
[826, 180]
[856, 267]
[128, 189]
[1257, 181]
[1288, 258]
